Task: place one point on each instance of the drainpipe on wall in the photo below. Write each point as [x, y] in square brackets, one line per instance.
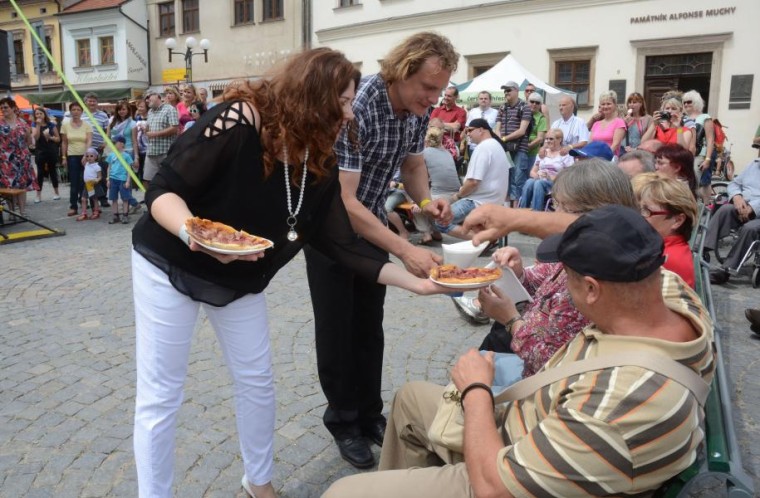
[306, 24]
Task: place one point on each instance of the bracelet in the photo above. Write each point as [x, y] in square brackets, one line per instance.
[476, 385]
[708, 159]
[183, 235]
[509, 324]
[425, 202]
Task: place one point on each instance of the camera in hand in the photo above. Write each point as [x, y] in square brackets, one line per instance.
[665, 116]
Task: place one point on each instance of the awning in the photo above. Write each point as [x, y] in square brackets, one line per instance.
[67, 96]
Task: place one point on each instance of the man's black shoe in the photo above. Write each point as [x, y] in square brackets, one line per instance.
[355, 450]
[719, 276]
[375, 431]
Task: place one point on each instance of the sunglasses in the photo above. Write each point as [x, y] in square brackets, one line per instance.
[535, 101]
[509, 90]
[687, 101]
[194, 111]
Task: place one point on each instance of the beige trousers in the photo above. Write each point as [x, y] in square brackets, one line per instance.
[410, 466]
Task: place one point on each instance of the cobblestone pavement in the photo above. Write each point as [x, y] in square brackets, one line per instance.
[67, 371]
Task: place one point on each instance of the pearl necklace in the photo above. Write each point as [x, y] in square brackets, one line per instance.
[291, 220]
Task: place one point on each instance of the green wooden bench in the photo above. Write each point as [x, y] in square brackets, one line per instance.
[719, 455]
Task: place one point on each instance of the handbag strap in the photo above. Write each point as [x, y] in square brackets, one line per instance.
[654, 362]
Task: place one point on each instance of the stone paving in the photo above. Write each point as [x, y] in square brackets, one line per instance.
[67, 371]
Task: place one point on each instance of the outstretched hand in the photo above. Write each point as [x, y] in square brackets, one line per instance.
[440, 210]
[487, 222]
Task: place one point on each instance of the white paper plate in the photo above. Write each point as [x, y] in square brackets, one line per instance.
[242, 252]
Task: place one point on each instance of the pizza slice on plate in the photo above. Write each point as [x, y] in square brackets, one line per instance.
[452, 274]
[215, 235]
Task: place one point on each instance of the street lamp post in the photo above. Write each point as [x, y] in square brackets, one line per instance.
[188, 54]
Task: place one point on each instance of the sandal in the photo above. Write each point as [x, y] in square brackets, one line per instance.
[95, 215]
[82, 217]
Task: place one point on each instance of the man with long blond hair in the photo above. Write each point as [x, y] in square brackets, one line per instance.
[391, 112]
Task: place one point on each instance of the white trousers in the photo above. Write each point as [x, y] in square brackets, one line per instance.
[165, 320]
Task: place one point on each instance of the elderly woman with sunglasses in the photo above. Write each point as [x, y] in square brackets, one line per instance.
[544, 171]
[551, 319]
[669, 206]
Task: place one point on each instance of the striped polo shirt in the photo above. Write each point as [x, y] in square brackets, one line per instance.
[617, 431]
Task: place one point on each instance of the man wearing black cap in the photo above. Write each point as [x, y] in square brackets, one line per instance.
[608, 431]
[513, 124]
[486, 181]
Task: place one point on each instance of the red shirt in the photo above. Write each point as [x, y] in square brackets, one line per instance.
[679, 258]
[455, 114]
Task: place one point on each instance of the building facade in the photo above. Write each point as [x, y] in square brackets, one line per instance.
[247, 38]
[27, 75]
[587, 46]
[105, 48]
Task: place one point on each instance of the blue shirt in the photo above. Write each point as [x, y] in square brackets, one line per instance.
[115, 168]
[747, 183]
[385, 140]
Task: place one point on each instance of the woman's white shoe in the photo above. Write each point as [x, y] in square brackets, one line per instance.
[265, 491]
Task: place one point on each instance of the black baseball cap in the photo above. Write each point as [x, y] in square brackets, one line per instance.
[482, 123]
[613, 243]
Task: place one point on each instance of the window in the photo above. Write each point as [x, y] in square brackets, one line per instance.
[272, 10]
[166, 19]
[190, 16]
[106, 50]
[349, 3]
[573, 69]
[574, 76]
[18, 54]
[83, 53]
[43, 62]
[243, 11]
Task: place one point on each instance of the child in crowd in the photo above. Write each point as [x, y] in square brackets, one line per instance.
[119, 183]
[92, 189]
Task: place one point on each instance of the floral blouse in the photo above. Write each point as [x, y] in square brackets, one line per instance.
[550, 320]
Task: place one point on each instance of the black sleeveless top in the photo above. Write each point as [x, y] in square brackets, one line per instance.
[220, 176]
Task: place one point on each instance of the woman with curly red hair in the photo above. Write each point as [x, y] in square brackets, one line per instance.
[261, 161]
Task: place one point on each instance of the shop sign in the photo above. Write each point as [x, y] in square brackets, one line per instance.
[684, 16]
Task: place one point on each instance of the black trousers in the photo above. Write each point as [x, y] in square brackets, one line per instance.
[348, 320]
[46, 159]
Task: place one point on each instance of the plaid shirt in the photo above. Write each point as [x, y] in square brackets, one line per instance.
[161, 119]
[385, 140]
[102, 118]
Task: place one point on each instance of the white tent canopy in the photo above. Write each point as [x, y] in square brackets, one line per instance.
[509, 69]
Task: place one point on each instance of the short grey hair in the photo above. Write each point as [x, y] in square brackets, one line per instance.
[696, 100]
[646, 159]
[593, 183]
